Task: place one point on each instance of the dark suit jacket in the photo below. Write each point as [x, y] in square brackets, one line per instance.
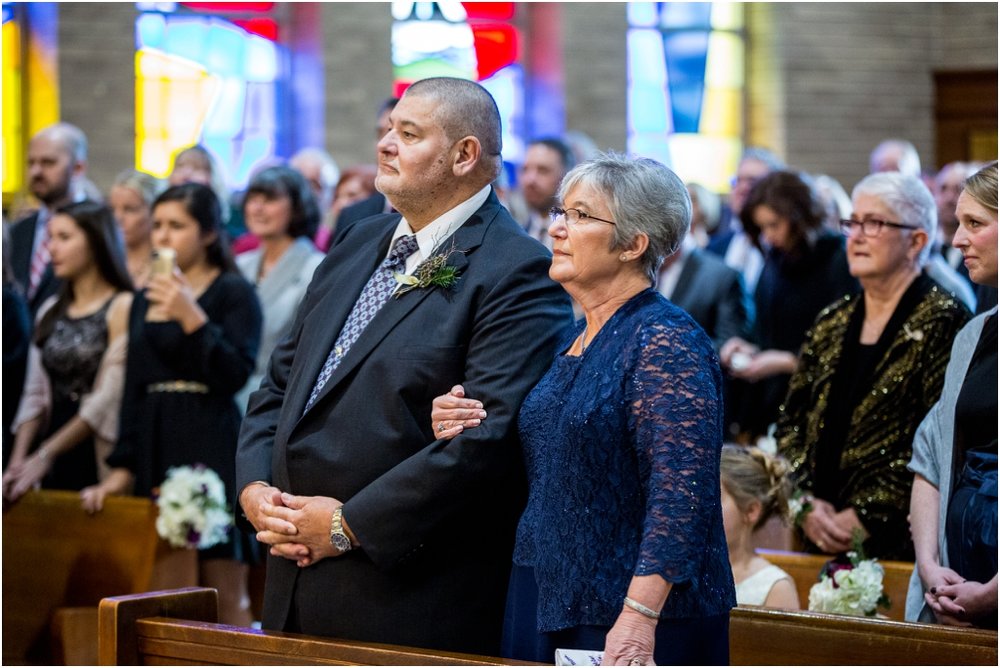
[358, 211]
[435, 519]
[22, 243]
[712, 293]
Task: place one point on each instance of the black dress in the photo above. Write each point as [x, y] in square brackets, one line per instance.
[791, 292]
[71, 355]
[178, 406]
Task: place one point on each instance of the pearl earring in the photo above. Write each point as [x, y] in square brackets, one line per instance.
[623, 257]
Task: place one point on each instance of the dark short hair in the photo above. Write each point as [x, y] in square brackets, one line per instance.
[792, 197]
[466, 109]
[281, 181]
[560, 147]
[200, 202]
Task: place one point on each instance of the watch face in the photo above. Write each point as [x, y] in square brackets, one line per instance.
[340, 541]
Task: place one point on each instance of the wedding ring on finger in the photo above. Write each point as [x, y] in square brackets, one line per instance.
[635, 661]
[440, 426]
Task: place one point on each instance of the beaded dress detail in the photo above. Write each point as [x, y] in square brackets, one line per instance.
[71, 356]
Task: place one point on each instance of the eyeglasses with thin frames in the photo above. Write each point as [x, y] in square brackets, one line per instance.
[575, 216]
[871, 227]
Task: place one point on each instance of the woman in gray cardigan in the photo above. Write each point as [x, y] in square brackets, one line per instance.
[281, 211]
[953, 507]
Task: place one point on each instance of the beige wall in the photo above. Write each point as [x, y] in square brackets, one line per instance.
[826, 81]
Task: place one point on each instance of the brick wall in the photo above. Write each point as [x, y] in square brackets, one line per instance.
[826, 81]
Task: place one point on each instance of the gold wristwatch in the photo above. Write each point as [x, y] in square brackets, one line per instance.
[338, 538]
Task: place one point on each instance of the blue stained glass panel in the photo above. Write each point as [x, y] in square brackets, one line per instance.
[686, 15]
[150, 31]
[686, 54]
[187, 39]
[642, 14]
[225, 50]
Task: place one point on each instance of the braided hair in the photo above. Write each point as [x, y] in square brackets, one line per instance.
[749, 474]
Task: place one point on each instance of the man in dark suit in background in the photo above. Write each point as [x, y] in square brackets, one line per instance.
[710, 291]
[378, 530]
[56, 156]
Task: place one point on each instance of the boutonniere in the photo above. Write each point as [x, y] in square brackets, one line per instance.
[434, 272]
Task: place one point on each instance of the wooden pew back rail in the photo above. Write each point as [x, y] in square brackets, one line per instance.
[177, 628]
[767, 636]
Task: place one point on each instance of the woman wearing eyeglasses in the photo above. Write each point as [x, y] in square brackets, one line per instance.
[871, 367]
[621, 546]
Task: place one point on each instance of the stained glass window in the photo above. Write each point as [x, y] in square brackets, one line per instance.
[686, 87]
[208, 79]
[30, 82]
[469, 40]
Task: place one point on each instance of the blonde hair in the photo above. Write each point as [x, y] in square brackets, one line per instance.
[982, 186]
[749, 474]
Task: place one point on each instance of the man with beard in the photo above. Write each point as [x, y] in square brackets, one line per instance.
[545, 164]
[56, 156]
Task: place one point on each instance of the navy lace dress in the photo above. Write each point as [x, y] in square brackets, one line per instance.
[622, 449]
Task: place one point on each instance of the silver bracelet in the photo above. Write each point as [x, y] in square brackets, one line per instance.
[641, 609]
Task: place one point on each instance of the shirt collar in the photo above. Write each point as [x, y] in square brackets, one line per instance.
[442, 227]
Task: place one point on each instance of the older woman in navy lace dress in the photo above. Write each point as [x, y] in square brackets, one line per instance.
[621, 546]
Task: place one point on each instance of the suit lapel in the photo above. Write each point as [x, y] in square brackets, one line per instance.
[467, 239]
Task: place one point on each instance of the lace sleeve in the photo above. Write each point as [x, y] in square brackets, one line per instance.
[675, 401]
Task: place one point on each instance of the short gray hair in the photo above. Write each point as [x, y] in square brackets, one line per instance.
[644, 197]
[148, 186]
[70, 137]
[908, 198]
[466, 108]
[908, 161]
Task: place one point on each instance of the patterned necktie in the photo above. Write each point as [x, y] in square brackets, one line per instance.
[371, 300]
[41, 258]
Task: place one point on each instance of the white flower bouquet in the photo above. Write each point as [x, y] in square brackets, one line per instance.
[851, 587]
[192, 505]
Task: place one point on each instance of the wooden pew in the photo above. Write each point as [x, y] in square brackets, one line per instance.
[804, 569]
[57, 557]
[767, 636]
[178, 628]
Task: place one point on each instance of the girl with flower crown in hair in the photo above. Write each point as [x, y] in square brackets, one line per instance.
[755, 487]
[193, 333]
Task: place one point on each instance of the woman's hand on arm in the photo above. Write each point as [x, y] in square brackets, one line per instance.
[39, 463]
[632, 639]
[452, 413]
